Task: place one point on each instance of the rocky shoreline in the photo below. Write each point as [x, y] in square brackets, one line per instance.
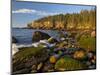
[46, 54]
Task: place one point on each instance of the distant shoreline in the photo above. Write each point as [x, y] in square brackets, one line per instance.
[71, 30]
[20, 27]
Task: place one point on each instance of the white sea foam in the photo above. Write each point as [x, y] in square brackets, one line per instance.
[15, 46]
[14, 49]
[22, 45]
[35, 44]
[44, 41]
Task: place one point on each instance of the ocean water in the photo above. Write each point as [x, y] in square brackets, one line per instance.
[24, 36]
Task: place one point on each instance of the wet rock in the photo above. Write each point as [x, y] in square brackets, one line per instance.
[27, 57]
[39, 66]
[52, 40]
[93, 61]
[33, 71]
[48, 67]
[57, 49]
[72, 34]
[88, 63]
[90, 54]
[62, 39]
[60, 52]
[93, 34]
[34, 67]
[70, 50]
[67, 63]
[14, 40]
[92, 67]
[22, 71]
[79, 54]
[38, 35]
[53, 59]
[63, 44]
[51, 70]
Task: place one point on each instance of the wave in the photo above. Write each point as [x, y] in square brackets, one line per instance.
[15, 47]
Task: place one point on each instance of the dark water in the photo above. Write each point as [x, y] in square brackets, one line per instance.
[24, 36]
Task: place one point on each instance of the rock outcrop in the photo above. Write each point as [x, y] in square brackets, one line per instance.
[14, 40]
[27, 57]
[38, 35]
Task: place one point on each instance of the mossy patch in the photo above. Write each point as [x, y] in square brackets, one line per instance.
[67, 63]
[28, 52]
[88, 42]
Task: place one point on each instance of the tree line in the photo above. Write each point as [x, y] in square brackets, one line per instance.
[85, 19]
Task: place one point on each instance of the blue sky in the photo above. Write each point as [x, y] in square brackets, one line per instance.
[26, 12]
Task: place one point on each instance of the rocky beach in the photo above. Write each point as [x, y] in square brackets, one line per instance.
[47, 54]
[46, 41]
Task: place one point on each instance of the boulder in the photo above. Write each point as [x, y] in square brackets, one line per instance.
[14, 40]
[39, 66]
[87, 42]
[52, 59]
[67, 63]
[93, 34]
[52, 40]
[48, 67]
[38, 35]
[23, 71]
[80, 54]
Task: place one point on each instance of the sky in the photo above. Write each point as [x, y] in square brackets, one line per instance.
[26, 12]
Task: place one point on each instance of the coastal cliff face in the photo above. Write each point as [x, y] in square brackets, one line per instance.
[74, 21]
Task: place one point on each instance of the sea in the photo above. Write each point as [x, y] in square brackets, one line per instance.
[24, 36]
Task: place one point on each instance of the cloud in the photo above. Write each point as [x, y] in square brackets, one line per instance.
[24, 11]
[32, 11]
